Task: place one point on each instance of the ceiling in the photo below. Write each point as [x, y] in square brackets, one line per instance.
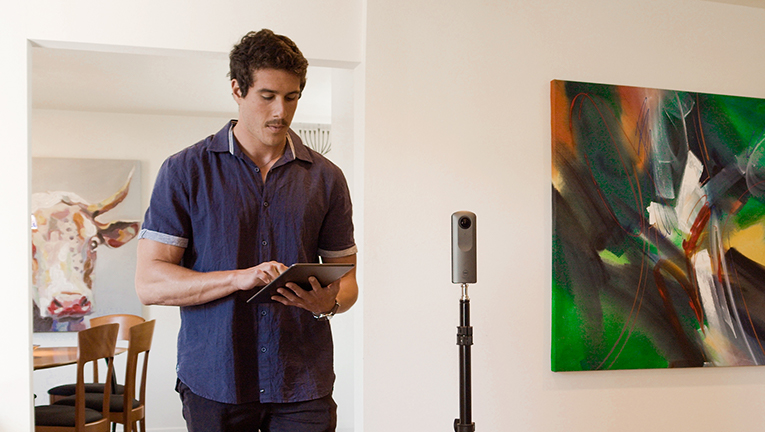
[176, 83]
[114, 79]
[750, 3]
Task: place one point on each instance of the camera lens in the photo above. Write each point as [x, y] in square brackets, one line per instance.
[464, 222]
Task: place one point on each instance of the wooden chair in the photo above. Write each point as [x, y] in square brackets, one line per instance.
[93, 344]
[126, 321]
[129, 409]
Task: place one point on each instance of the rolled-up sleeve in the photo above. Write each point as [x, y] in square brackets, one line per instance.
[336, 235]
[167, 219]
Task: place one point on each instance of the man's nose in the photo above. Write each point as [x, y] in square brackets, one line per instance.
[278, 108]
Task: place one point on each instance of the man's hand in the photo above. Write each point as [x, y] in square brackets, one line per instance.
[260, 275]
[318, 300]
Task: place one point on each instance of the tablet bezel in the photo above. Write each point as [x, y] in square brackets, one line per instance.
[325, 273]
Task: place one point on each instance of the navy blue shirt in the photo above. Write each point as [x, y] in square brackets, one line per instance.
[210, 199]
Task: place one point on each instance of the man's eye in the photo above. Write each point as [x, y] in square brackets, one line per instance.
[268, 97]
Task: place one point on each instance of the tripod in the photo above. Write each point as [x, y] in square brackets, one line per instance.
[465, 340]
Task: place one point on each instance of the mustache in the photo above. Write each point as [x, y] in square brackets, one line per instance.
[277, 122]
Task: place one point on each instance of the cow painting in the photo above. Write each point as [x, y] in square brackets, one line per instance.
[66, 234]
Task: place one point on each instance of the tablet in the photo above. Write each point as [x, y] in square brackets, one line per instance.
[299, 274]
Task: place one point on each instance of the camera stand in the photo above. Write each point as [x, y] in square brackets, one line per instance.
[464, 340]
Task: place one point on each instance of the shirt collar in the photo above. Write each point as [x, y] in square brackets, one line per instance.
[224, 141]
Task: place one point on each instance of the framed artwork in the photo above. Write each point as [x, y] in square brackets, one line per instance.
[85, 216]
[658, 228]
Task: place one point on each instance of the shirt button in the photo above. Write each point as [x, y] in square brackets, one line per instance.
[264, 243]
[257, 169]
[263, 349]
[264, 313]
[262, 390]
[265, 204]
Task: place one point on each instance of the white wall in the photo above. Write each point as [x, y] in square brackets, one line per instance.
[458, 118]
[15, 375]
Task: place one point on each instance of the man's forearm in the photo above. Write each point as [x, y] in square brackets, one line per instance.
[349, 293]
[160, 280]
[161, 283]
[349, 288]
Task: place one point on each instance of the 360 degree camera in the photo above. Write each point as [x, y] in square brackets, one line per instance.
[463, 247]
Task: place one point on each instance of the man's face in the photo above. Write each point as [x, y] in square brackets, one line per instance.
[267, 110]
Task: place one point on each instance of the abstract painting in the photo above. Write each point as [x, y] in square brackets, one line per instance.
[658, 242]
[84, 214]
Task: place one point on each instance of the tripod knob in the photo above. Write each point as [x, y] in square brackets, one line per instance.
[459, 427]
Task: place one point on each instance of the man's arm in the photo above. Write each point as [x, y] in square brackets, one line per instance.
[322, 299]
[160, 280]
[349, 288]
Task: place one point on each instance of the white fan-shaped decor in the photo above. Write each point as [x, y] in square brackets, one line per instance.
[315, 136]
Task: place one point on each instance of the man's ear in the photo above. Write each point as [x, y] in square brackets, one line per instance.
[236, 91]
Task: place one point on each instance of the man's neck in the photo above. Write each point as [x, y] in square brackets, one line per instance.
[263, 155]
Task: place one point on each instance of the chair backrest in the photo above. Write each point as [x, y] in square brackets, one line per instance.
[94, 344]
[126, 321]
[140, 339]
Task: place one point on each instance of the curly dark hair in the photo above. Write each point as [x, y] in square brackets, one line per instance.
[265, 50]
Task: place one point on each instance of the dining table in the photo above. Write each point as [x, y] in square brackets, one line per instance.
[49, 357]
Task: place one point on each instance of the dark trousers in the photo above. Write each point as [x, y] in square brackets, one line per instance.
[204, 415]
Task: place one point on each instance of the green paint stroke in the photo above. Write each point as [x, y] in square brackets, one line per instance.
[743, 115]
[567, 334]
[609, 257]
[635, 350]
[753, 212]
[619, 349]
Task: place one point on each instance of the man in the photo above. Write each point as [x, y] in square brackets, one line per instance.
[229, 214]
